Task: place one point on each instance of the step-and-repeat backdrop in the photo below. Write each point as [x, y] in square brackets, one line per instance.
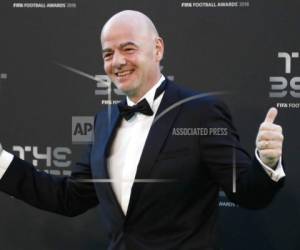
[52, 82]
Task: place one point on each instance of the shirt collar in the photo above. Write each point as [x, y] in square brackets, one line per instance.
[149, 96]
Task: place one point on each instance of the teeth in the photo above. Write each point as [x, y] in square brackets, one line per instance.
[124, 73]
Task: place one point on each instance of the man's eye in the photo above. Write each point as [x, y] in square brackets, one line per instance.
[107, 56]
[129, 49]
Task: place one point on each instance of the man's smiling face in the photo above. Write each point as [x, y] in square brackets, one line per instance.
[131, 54]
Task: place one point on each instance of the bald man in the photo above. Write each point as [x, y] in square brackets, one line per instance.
[156, 186]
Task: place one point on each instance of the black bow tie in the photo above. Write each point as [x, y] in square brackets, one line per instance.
[142, 106]
[128, 111]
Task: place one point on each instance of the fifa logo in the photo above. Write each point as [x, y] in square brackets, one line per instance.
[281, 86]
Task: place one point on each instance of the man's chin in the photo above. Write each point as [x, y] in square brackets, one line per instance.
[126, 88]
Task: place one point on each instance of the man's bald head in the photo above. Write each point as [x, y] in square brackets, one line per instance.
[135, 20]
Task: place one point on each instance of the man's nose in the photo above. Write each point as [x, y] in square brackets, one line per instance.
[118, 60]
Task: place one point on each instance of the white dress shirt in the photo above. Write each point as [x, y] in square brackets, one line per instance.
[127, 148]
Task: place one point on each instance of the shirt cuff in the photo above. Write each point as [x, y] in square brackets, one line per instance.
[5, 160]
[275, 174]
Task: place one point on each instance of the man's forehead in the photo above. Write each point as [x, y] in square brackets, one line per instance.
[119, 37]
[116, 30]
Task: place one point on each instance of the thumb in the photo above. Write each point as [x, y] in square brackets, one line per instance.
[271, 115]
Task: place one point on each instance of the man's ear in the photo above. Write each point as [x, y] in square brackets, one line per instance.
[159, 48]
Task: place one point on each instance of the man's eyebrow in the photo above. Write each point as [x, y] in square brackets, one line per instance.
[106, 50]
[122, 45]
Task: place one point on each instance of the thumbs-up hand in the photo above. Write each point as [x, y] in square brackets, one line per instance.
[269, 140]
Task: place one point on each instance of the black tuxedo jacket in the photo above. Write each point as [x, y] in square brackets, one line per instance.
[179, 210]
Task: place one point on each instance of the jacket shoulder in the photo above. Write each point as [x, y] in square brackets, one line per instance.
[196, 97]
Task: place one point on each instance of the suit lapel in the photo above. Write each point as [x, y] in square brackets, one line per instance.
[113, 122]
[155, 140]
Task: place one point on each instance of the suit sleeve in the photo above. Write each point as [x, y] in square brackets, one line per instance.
[242, 178]
[68, 196]
[63, 195]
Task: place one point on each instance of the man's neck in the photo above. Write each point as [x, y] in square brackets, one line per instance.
[136, 97]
